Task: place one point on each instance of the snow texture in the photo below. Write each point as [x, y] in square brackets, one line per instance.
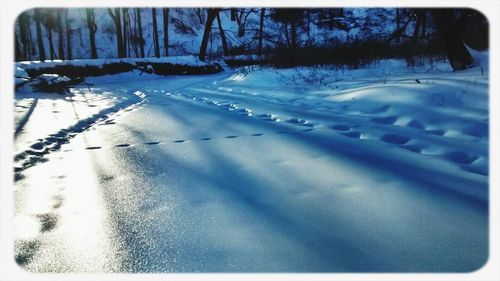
[324, 169]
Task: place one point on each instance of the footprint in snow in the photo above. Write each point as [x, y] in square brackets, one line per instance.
[436, 132]
[58, 201]
[179, 141]
[93, 147]
[377, 110]
[48, 221]
[461, 157]
[244, 111]
[385, 120]
[122, 145]
[257, 135]
[416, 124]
[300, 122]
[25, 250]
[395, 139]
[152, 143]
[341, 127]
[269, 117]
[413, 147]
[354, 135]
[205, 139]
[476, 170]
[478, 130]
[231, 137]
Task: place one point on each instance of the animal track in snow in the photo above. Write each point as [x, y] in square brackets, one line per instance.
[300, 122]
[385, 120]
[476, 170]
[436, 132]
[416, 124]
[93, 147]
[269, 117]
[48, 221]
[461, 157]
[395, 139]
[122, 145]
[354, 135]
[413, 147]
[341, 127]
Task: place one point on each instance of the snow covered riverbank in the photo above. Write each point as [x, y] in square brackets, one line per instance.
[383, 169]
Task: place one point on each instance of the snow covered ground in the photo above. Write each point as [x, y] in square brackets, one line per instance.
[382, 169]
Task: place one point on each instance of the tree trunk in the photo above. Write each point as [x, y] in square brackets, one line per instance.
[116, 16]
[222, 36]
[211, 14]
[294, 34]
[60, 35]
[418, 26]
[41, 48]
[398, 25]
[424, 24]
[124, 31]
[92, 30]
[155, 34]
[17, 45]
[23, 21]
[234, 14]
[52, 51]
[68, 36]
[449, 32]
[261, 27]
[165, 31]
[132, 33]
[139, 26]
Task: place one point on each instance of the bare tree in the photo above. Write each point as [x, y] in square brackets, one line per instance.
[165, 31]
[419, 31]
[261, 28]
[92, 30]
[60, 34]
[116, 16]
[68, 35]
[49, 24]
[211, 14]
[450, 24]
[155, 34]
[139, 27]
[222, 36]
[125, 32]
[24, 36]
[41, 48]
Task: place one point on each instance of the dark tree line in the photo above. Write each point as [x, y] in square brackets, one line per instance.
[292, 30]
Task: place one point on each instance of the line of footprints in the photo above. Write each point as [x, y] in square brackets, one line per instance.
[459, 157]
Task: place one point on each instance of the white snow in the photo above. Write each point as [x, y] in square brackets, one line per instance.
[381, 169]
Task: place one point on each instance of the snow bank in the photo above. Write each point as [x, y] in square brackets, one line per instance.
[20, 76]
[97, 67]
[179, 60]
